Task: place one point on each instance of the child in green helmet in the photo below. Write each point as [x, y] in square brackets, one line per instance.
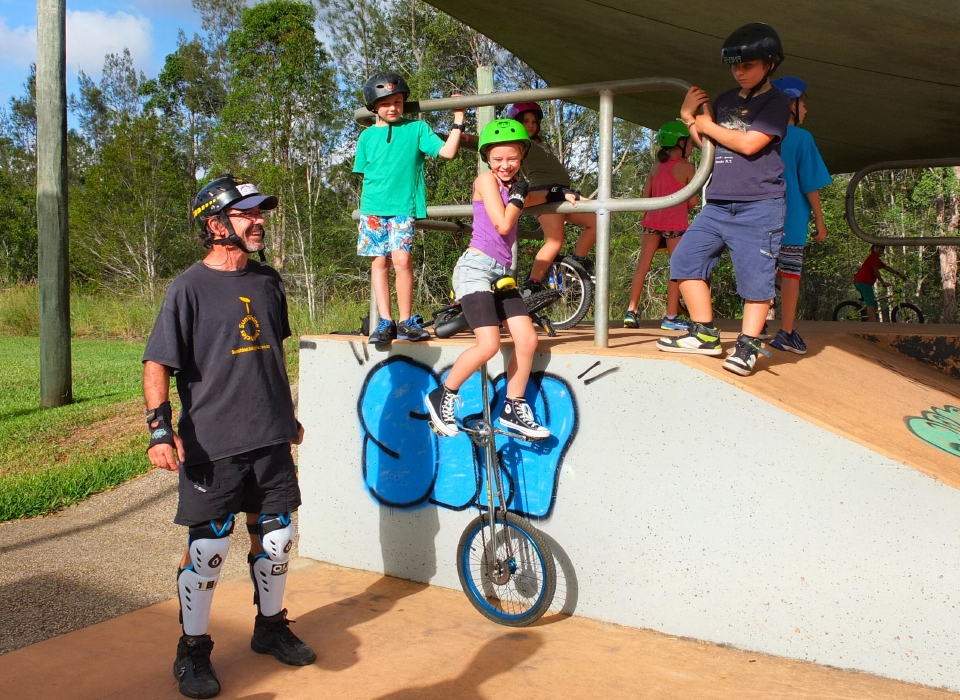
[669, 174]
[390, 155]
[498, 198]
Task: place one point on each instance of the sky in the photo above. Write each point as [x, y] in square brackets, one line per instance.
[94, 28]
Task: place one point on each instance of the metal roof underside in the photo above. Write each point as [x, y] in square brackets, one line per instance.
[884, 75]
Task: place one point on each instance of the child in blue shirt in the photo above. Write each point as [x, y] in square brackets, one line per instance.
[390, 155]
[804, 173]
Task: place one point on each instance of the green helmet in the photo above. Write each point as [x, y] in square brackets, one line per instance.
[671, 132]
[501, 131]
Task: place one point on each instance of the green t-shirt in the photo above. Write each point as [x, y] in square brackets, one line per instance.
[541, 167]
[391, 160]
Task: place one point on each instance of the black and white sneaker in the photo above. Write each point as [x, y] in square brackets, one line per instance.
[441, 404]
[193, 670]
[412, 329]
[518, 416]
[272, 635]
[744, 355]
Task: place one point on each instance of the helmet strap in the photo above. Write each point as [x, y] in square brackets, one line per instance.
[232, 237]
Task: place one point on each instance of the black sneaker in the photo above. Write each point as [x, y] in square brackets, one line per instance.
[518, 416]
[440, 404]
[193, 669]
[412, 329]
[744, 355]
[531, 287]
[272, 635]
[385, 333]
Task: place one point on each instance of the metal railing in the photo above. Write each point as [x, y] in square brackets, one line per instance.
[851, 214]
[604, 204]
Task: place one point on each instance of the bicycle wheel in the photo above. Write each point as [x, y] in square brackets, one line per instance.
[576, 292]
[907, 313]
[850, 311]
[510, 590]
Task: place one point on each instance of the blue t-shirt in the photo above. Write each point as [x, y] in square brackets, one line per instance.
[741, 178]
[804, 172]
[391, 160]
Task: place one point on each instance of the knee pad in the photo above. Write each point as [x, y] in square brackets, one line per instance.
[269, 569]
[208, 546]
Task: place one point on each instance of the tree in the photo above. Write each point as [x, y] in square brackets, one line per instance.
[127, 219]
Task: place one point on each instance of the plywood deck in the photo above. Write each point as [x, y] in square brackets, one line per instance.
[845, 384]
[383, 638]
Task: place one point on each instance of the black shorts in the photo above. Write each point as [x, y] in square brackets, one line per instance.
[486, 309]
[259, 481]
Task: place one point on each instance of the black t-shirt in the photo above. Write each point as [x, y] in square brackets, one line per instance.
[221, 333]
[741, 178]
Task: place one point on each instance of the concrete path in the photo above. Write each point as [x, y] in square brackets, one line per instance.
[380, 637]
[111, 554]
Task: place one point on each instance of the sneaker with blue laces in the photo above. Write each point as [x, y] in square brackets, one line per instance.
[630, 319]
[677, 323]
[791, 342]
[412, 329]
[385, 333]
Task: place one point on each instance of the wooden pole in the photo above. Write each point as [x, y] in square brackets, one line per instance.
[52, 232]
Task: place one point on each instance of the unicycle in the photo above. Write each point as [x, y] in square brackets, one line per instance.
[504, 563]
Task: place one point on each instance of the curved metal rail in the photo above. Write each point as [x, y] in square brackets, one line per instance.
[604, 204]
[851, 214]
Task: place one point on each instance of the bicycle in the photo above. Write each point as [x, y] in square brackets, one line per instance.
[576, 287]
[898, 311]
[504, 563]
[449, 320]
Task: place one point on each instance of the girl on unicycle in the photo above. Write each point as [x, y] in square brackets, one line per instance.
[498, 198]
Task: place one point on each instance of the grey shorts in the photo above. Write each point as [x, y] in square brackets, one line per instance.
[475, 272]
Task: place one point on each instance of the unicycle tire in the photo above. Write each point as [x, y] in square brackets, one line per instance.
[529, 578]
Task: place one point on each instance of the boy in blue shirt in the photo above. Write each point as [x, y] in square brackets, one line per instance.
[744, 207]
[805, 173]
[390, 155]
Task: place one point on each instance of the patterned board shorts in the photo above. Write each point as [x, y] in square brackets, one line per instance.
[379, 236]
[790, 261]
[665, 234]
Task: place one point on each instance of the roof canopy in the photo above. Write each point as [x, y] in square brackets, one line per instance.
[884, 75]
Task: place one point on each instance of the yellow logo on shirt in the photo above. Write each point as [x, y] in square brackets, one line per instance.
[249, 326]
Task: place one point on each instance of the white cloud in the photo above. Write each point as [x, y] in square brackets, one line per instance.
[90, 37]
[18, 46]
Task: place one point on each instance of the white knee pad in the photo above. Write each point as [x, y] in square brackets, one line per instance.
[208, 547]
[269, 570]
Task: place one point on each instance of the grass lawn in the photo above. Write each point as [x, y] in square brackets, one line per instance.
[52, 458]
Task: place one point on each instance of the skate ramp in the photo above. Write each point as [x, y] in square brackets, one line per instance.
[793, 512]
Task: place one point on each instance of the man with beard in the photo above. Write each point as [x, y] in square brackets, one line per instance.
[220, 332]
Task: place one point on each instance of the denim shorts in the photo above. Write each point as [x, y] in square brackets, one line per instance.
[751, 230]
[475, 272]
[378, 236]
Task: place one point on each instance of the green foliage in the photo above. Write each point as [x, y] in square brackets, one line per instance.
[18, 236]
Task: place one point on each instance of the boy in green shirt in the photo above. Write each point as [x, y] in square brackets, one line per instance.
[390, 155]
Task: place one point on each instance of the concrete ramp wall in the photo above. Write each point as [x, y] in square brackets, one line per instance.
[676, 501]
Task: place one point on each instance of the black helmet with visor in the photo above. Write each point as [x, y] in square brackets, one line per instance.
[227, 192]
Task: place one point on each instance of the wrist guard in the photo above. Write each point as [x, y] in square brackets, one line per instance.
[518, 193]
[558, 193]
[159, 423]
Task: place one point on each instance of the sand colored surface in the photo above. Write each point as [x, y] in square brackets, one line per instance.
[381, 637]
[850, 386]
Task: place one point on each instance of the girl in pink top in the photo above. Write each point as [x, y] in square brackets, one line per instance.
[669, 174]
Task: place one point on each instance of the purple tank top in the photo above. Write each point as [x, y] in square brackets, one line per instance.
[485, 237]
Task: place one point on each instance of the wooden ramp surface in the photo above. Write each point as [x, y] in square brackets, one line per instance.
[383, 638]
[855, 388]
